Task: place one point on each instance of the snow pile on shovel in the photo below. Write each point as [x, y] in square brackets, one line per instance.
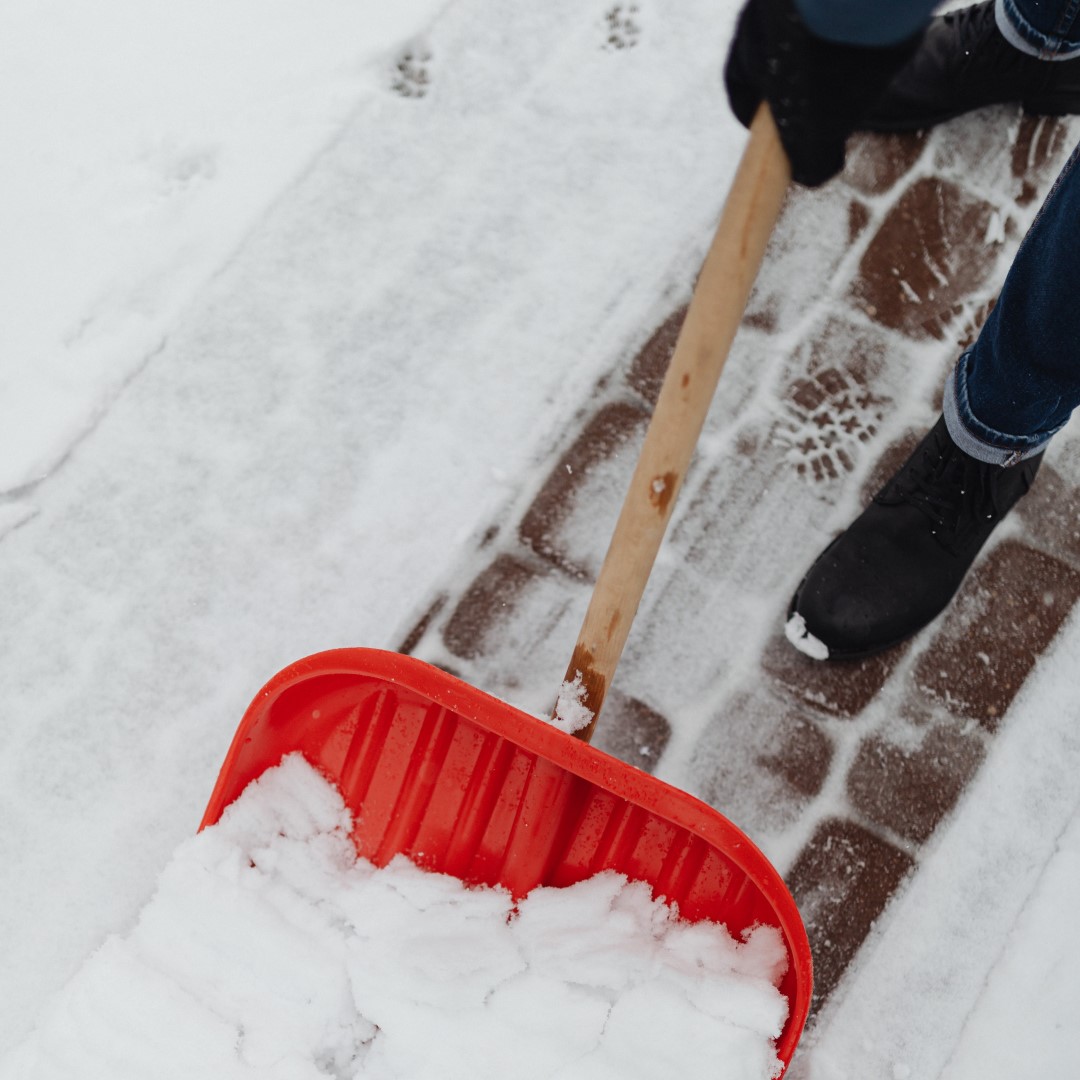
[270, 951]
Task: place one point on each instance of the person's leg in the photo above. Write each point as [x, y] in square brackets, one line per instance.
[901, 561]
[991, 53]
[1020, 382]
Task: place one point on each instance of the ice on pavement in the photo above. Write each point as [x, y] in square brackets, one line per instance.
[270, 950]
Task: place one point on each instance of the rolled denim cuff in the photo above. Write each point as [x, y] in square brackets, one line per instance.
[975, 438]
[1018, 32]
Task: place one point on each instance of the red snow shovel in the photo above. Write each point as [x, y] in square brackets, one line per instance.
[465, 784]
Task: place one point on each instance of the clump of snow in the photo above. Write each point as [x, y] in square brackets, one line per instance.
[270, 950]
[571, 713]
[995, 229]
[796, 632]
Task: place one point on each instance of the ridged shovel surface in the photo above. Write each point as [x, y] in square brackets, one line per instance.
[465, 784]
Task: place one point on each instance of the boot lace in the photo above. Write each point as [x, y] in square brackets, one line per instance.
[974, 25]
[955, 492]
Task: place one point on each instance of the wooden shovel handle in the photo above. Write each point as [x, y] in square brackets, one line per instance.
[720, 296]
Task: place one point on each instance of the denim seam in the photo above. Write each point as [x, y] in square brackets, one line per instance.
[1021, 34]
[1068, 17]
[1066, 169]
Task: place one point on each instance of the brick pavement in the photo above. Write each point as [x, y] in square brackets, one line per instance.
[841, 772]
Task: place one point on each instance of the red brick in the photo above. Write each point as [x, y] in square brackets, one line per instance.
[651, 363]
[837, 687]
[1007, 612]
[876, 163]
[486, 603]
[1051, 512]
[835, 400]
[1039, 150]
[413, 638]
[591, 479]
[810, 240]
[894, 455]
[842, 881]
[928, 256]
[761, 760]
[910, 784]
[632, 731]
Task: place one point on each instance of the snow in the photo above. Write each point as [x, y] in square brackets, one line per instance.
[269, 949]
[795, 630]
[571, 713]
[1037, 967]
[149, 138]
[978, 956]
[277, 344]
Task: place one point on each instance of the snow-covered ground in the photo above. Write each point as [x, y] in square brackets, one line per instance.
[278, 338]
[268, 926]
[144, 140]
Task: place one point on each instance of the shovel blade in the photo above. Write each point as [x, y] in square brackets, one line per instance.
[467, 785]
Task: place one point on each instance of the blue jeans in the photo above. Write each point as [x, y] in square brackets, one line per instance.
[1045, 28]
[1019, 383]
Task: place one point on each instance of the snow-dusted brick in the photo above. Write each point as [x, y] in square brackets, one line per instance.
[908, 780]
[842, 881]
[927, 257]
[1004, 616]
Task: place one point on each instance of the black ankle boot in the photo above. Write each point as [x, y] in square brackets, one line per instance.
[964, 63]
[900, 563]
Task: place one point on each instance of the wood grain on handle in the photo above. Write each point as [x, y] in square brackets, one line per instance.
[716, 309]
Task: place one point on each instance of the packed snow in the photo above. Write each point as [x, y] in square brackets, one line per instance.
[571, 714]
[269, 950]
[149, 138]
[278, 341]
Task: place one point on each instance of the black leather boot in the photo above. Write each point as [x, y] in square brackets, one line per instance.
[901, 561]
[964, 63]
